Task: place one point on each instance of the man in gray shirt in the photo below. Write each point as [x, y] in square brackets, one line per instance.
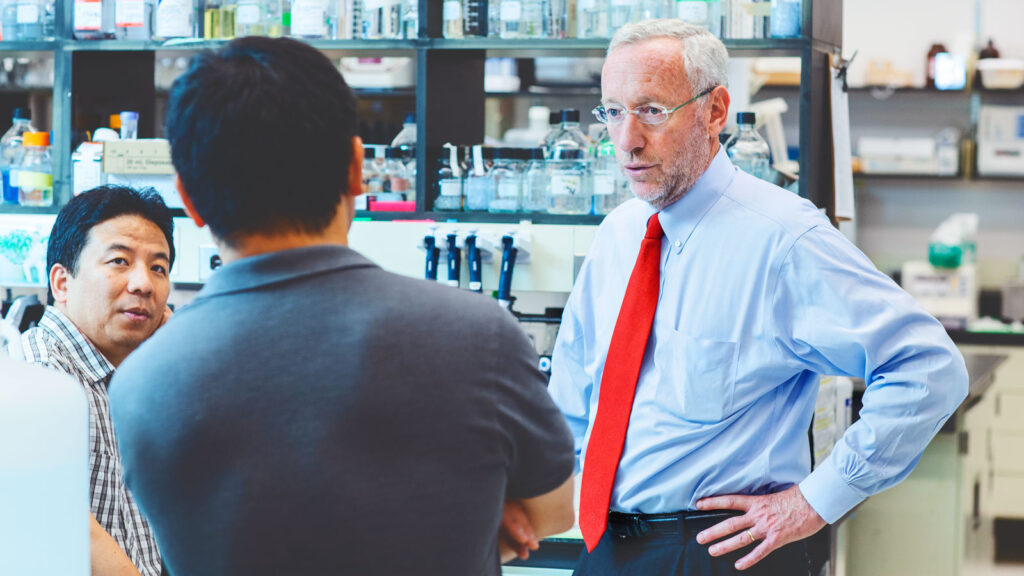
[310, 413]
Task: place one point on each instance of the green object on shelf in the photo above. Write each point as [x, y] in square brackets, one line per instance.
[944, 255]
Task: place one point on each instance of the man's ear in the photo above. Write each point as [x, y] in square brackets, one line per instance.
[719, 115]
[187, 201]
[59, 283]
[355, 168]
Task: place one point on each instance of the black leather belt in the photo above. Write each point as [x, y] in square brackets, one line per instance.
[684, 523]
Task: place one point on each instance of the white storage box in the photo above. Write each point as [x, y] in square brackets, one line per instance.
[1001, 73]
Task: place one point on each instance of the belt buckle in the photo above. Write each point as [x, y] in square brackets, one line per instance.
[632, 526]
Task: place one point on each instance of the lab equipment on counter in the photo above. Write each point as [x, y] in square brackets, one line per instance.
[449, 183]
[454, 259]
[508, 264]
[1001, 73]
[1001, 141]
[949, 294]
[474, 260]
[433, 254]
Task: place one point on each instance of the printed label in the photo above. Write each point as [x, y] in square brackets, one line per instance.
[28, 14]
[308, 18]
[565, 184]
[452, 10]
[28, 181]
[248, 14]
[130, 13]
[508, 188]
[692, 11]
[511, 11]
[174, 19]
[451, 188]
[604, 184]
[88, 14]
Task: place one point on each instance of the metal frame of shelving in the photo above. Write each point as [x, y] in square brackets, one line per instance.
[450, 96]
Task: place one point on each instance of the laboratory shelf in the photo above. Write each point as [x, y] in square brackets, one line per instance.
[31, 46]
[198, 44]
[879, 176]
[598, 46]
[38, 210]
[484, 217]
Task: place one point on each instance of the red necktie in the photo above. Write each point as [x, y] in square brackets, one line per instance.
[618, 385]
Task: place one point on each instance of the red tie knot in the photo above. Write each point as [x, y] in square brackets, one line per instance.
[654, 231]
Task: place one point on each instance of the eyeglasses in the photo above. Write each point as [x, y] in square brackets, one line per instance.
[653, 114]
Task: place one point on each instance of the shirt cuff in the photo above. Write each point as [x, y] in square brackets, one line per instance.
[827, 492]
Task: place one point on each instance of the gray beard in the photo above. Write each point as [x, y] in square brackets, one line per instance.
[697, 155]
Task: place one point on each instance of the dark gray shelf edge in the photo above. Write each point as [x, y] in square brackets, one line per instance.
[33, 46]
[484, 217]
[986, 338]
[29, 210]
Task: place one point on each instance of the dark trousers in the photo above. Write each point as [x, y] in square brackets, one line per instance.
[661, 550]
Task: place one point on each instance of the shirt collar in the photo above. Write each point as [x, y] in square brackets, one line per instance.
[281, 266]
[83, 353]
[680, 218]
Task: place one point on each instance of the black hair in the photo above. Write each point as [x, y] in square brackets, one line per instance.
[261, 137]
[78, 217]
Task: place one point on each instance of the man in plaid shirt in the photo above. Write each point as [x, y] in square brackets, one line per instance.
[109, 257]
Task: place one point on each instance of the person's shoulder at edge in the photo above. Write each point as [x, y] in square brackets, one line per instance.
[40, 347]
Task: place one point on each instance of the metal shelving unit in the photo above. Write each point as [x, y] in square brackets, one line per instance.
[449, 91]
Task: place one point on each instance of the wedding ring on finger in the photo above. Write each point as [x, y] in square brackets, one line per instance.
[751, 536]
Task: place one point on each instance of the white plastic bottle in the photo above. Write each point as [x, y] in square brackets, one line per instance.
[451, 14]
[747, 149]
[532, 25]
[250, 18]
[176, 19]
[35, 174]
[29, 19]
[133, 19]
[510, 17]
[93, 19]
[592, 18]
[706, 13]
[12, 151]
[309, 18]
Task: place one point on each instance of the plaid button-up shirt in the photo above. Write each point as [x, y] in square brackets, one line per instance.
[56, 343]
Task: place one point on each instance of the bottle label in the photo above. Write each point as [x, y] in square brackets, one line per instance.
[130, 13]
[511, 11]
[692, 11]
[28, 14]
[174, 19]
[308, 18]
[33, 180]
[451, 188]
[566, 184]
[88, 14]
[604, 184]
[508, 188]
[452, 11]
[248, 14]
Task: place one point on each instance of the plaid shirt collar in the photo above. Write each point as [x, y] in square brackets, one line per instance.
[91, 361]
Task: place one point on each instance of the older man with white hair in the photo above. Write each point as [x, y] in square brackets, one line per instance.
[690, 406]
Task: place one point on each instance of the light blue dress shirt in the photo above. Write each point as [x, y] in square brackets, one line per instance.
[759, 295]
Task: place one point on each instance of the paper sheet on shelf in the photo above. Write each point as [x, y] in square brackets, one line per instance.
[842, 157]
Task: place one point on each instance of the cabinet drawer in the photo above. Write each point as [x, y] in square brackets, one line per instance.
[1008, 451]
[1010, 409]
[1008, 496]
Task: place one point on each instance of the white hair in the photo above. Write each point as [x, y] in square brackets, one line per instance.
[705, 58]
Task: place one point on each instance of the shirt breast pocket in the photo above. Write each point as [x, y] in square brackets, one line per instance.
[698, 379]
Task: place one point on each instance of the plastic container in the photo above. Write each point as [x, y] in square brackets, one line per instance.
[608, 181]
[479, 184]
[396, 176]
[133, 19]
[508, 172]
[592, 19]
[705, 13]
[251, 18]
[785, 19]
[747, 149]
[451, 15]
[28, 19]
[449, 192]
[176, 19]
[536, 191]
[1001, 73]
[570, 189]
[35, 174]
[12, 151]
[129, 125]
[93, 19]
[568, 136]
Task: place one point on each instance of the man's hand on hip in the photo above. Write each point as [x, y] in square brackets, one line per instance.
[772, 521]
[516, 537]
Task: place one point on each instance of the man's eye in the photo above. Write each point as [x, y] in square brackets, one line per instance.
[651, 111]
[613, 112]
[119, 261]
[159, 269]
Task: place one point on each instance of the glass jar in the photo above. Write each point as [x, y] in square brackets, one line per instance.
[449, 182]
[35, 175]
[570, 191]
[479, 184]
[536, 190]
[508, 174]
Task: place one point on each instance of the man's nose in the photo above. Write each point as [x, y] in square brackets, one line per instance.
[140, 280]
[630, 137]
